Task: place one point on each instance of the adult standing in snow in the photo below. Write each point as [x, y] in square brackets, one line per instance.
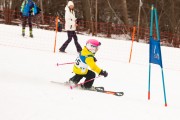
[84, 60]
[28, 8]
[70, 27]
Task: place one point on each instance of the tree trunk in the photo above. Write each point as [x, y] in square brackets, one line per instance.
[125, 12]
[139, 19]
[6, 11]
[42, 11]
[87, 14]
[96, 17]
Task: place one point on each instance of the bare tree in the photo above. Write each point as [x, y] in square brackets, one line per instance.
[125, 12]
[87, 13]
[96, 16]
[42, 11]
[139, 15]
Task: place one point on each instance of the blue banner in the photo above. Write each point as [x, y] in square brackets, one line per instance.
[155, 52]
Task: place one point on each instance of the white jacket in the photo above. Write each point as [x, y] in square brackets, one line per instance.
[70, 20]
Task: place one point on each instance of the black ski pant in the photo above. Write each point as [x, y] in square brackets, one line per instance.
[24, 22]
[71, 34]
[90, 75]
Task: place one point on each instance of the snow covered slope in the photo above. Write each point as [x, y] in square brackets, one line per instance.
[27, 65]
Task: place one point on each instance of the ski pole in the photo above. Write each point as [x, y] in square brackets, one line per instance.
[73, 86]
[65, 63]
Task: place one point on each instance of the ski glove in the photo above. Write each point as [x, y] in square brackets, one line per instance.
[95, 60]
[103, 73]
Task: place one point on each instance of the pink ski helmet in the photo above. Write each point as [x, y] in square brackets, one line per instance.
[93, 45]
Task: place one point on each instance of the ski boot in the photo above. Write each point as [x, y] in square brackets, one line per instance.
[71, 82]
[23, 32]
[30, 34]
[92, 88]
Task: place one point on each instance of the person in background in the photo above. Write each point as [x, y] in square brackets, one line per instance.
[87, 59]
[70, 27]
[28, 8]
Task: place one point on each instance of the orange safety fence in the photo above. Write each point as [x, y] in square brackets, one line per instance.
[103, 29]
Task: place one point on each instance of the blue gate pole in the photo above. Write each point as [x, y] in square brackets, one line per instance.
[157, 24]
[151, 21]
[149, 85]
[151, 33]
[158, 37]
[164, 87]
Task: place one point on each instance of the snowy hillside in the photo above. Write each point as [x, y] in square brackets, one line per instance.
[27, 65]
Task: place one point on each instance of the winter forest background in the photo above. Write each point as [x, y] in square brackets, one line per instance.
[108, 17]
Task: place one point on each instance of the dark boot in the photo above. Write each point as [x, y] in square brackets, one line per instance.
[30, 34]
[61, 50]
[23, 32]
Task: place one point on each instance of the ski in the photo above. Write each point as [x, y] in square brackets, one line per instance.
[112, 93]
[97, 89]
[102, 90]
[61, 83]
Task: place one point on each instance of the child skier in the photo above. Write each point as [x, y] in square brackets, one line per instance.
[86, 58]
[28, 8]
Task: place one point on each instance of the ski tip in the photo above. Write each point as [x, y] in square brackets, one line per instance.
[57, 64]
[71, 87]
